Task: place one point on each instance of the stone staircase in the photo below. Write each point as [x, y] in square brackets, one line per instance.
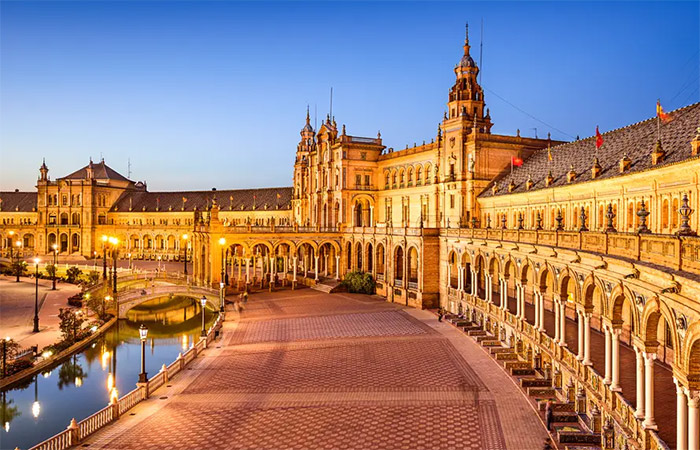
[570, 430]
[328, 285]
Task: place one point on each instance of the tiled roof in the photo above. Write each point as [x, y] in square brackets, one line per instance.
[101, 172]
[637, 141]
[228, 200]
[18, 201]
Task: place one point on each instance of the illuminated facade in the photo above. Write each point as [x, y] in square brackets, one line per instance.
[578, 247]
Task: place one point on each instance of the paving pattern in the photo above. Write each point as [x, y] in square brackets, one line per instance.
[306, 370]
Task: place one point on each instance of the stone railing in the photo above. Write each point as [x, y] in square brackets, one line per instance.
[680, 253]
[79, 431]
[572, 371]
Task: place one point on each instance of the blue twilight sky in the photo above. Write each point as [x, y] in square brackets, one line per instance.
[213, 94]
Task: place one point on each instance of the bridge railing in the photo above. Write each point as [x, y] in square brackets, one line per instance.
[79, 431]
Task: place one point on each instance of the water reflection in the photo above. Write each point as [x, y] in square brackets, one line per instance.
[83, 384]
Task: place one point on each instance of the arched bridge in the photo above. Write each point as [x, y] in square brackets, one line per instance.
[130, 298]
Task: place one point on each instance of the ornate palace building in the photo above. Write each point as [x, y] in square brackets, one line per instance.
[583, 261]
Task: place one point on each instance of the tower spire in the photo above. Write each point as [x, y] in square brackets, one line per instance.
[466, 40]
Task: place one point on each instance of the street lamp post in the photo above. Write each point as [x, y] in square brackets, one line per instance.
[19, 257]
[184, 236]
[143, 334]
[36, 296]
[12, 240]
[203, 300]
[55, 261]
[104, 257]
[222, 284]
[114, 241]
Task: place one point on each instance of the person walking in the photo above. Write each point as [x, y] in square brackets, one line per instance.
[440, 314]
[548, 413]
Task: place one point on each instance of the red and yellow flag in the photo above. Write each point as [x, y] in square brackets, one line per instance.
[598, 138]
[665, 117]
[549, 153]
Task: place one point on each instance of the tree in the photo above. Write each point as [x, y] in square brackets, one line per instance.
[71, 323]
[94, 277]
[359, 282]
[50, 270]
[12, 349]
[72, 274]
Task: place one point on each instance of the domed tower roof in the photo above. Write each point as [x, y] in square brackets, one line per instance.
[307, 128]
[466, 60]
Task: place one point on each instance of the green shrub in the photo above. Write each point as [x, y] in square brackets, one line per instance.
[359, 282]
[73, 274]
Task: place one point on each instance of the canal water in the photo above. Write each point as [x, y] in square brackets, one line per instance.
[79, 386]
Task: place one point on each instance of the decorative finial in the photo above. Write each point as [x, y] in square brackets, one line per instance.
[466, 34]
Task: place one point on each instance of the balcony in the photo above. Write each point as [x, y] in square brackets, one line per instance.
[681, 253]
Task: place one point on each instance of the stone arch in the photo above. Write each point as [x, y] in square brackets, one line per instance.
[332, 243]
[263, 243]
[348, 254]
[359, 256]
[453, 261]
[412, 264]
[651, 315]
[278, 244]
[690, 365]
[622, 311]
[590, 285]
[398, 263]
[369, 257]
[494, 267]
[568, 285]
[381, 259]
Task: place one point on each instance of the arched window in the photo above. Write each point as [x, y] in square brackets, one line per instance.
[674, 214]
[398, 265]
[410, 176]
[428, 173]
[380, 260]
[419, 176]
[386, 180]
[64, 218]
[75, 218]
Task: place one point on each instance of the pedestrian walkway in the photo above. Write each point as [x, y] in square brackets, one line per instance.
[309, 370]
[17, 310]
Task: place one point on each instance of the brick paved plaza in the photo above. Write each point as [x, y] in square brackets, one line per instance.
[308, 370]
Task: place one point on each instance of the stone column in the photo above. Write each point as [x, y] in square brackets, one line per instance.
[681, 417]
[337, 267]
[555, 302]
[474, 283]
[489, 288]
[649, 421]
[541, 327]
[562, 322]
[504, 293]
[615, 341]
[587, 339]
[449, 276]
[522, 302]
[536, 303]
[316, 267]
[518, 294]
[459, 277]
[693, 415]
[294, 265]
[608, 356]
[247, 270]
[639, 413]
[581, 336]
[371, 216]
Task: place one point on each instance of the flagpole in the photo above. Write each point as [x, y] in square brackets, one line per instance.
[658, 120]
